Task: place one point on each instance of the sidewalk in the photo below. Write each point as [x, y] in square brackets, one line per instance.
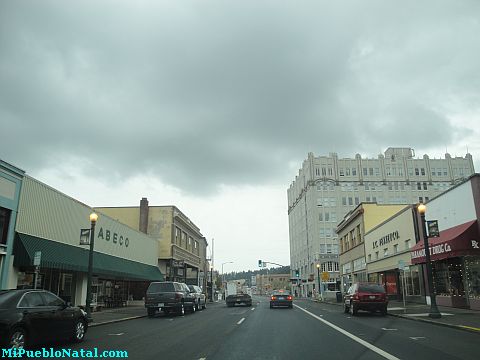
[109, 316]
[463, 319]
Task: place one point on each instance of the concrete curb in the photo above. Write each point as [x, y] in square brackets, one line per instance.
[116, 320]
[458, 327]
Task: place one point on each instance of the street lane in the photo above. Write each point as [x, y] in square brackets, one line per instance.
[263, 333]
[403, 338]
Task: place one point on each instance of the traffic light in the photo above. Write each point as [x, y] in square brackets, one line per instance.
[260, 263]
[297, 273]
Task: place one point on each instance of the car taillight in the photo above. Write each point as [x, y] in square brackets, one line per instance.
[274, 298]
[289, 297]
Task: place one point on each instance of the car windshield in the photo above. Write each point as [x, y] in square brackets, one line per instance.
[281, 293]
[371, 288]
[161, 287]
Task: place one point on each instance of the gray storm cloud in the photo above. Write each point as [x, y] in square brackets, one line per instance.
[227, 92]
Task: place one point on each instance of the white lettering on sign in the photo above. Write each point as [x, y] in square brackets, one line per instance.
[475, 244]
[434, 250]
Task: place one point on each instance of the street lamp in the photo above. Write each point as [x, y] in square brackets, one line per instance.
[223, 277]
[319, 282]
[211, 283]
[93, 221]
[434, 313]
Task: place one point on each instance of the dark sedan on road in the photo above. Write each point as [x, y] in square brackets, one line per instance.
[38, 316]
[281, 298]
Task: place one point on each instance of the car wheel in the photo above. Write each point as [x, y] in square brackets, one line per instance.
[166, 311]
[353, 310]
[290, 306]
[204, 306]
[197, 305]
[151, 312]
[181, 310]
[194, 308]
[18, 338]
[345, 309]
[271, 306]
[79, 331]
[383, 311]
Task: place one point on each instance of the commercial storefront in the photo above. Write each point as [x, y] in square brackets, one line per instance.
[10, 185]
[49, 223]
[455, 257]
[455, 253]
[388, 256]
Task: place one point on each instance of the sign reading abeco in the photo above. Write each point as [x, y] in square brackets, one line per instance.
[114, 237]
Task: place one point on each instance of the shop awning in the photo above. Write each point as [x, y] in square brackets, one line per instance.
[56, 255]
[460, 240]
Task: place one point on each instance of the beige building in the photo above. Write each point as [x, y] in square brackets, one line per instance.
[387, 250]
[182, 248]
[328, 187]
[350, 232]
[266, 283]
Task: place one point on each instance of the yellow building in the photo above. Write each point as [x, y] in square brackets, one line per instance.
[182, 247]
[351, 230]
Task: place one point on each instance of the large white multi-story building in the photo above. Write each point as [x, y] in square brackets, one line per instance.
[326, 188]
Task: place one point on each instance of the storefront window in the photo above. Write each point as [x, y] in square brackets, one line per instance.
[4, 221]
[472, 268]
[448, 278]
[412, 280]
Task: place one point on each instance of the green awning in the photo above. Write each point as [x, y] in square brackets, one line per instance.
[56, 255]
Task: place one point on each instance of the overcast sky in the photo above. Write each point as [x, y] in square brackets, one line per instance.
[213, 105]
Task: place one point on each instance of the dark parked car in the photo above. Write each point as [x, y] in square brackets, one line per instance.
[200, 298]
[37, 316]
[169, 296]
[281, 298]
[366, 296]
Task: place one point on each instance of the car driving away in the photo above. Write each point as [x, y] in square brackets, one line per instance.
[38, 316]
[366, 296]
[281, 298]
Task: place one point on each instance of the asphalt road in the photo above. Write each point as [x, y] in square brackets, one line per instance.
[308, 331]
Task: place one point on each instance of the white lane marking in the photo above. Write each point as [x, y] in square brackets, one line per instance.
[351, 336]
[202, 359]
[253, 309]
[417, 337]
[428, 314]
[242, 320]
[389, 329]
[119, 334]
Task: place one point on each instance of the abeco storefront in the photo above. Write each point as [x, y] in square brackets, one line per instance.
[49, 222]
[455, 254]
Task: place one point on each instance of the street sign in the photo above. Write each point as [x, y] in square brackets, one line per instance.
[37, 258]
[84, 236]
[325, 276]
[433, 228]
[264, 264]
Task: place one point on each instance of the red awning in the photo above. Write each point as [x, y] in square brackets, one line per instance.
[459, 240]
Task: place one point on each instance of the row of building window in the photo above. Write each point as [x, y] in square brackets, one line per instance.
[407, 246]
[375, 186]
[181, 240]
[328, 249]
[390, 171]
